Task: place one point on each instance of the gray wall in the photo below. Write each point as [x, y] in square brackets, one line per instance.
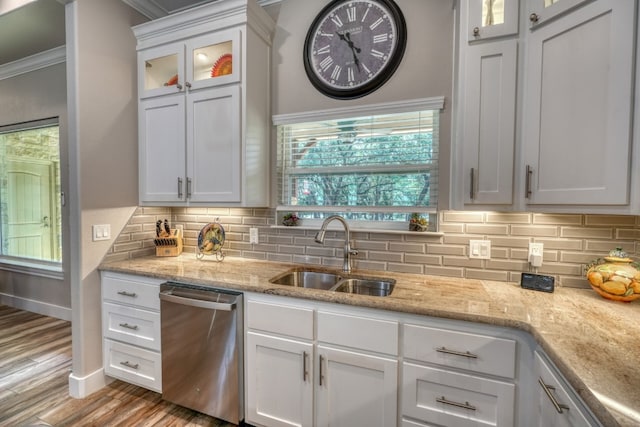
[425, 71]
[37, 95]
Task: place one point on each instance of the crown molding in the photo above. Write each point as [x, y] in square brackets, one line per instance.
[50, 57]
[152, 11]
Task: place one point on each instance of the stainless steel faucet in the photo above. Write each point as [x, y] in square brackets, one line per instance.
[348, 251]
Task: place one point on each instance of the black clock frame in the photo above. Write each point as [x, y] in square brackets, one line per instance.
[377, 81]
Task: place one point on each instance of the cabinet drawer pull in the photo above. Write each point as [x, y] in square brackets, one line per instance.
[128, 326]
[547, 389]
[129, 365]
[305, 373]
[464, 405]
[127, 294]
[457, 353]
[320, 371]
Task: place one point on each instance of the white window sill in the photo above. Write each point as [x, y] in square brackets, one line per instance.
[32, 268]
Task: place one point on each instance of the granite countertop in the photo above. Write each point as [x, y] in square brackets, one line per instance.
[593, 341]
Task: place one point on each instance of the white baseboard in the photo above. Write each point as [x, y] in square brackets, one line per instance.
[81, 387]
[46, 309]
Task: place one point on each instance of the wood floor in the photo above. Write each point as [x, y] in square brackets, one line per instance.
[35, 363]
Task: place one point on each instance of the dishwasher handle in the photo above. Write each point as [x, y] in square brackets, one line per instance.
[193, 302]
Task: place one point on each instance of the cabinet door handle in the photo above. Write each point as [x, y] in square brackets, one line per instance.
[547, 389]
[178, 86]
[321, 359]
[473, 184]
[179, 188]
[188, 188]
[464, 405]
[304, 366]
[129, 364]
[534, 18]
[457, 353]
[527, 182]
[188, 85]
[476, 31]
[127, 294]
[128, 326]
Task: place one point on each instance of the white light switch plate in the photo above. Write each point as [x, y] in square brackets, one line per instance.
[101, 232]
[480, 249]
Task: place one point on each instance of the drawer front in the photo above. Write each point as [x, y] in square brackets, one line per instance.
[133, 365]
[449, 398]
[358, 332]
[131, 325]
[473, 352]
[129, 290]
[280, 319]
[551, 387]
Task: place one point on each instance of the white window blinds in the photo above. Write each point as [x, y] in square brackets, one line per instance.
[381, 163]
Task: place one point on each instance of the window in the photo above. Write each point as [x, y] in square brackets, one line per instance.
[30, 206]
[368, 167]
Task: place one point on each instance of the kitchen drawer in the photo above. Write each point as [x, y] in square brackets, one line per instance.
[281, 319]
[133, 365]
[474, 352]
[131, 325]
[574, 412]
[131, 290]
[362, 333]
[449, 398]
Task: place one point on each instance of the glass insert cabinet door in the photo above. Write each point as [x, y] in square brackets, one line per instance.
[541, 11]
[209, 60]
[492, 18]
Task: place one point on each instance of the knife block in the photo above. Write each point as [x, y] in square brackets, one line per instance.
[170, 245]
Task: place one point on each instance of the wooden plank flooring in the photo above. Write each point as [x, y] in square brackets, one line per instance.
[35, 363]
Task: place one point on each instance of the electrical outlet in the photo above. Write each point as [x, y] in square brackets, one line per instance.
[253, 235]
[480, 249]
[536, 252]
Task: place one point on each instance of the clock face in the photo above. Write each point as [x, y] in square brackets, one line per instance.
[354, 46]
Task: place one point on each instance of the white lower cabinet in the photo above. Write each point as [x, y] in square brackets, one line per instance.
[337, 377]
[280, 381]
[556, 403]
[131, 329]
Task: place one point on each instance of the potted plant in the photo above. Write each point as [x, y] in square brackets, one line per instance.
[290, 219]
[418, 222]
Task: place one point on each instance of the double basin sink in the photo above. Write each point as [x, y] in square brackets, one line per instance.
[336, 282]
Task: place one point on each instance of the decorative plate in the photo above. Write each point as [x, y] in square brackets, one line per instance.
[223, 66]
[211, 238]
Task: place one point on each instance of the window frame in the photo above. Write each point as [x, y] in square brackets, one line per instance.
[34, 266]
[433, 103]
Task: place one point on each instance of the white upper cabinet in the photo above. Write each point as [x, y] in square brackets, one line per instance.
[204, 106]
[542, 11]
[491, 18]
[578, 103]
[489, 122]
[545, 109]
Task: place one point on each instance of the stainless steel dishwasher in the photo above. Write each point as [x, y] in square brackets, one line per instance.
[202, 349]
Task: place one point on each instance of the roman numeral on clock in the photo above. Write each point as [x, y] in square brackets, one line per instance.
[326, 63]
[335, 74]
[323, 50]
[351, 14]
[380, 38]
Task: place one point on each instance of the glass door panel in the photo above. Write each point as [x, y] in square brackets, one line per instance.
[214, 59]
[541, 11]
[492, 18]
[161, 72]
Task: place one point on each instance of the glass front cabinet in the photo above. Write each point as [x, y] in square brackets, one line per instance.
[195, 135]
[205, 61]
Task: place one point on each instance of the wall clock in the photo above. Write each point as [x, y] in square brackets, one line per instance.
[354, 46]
